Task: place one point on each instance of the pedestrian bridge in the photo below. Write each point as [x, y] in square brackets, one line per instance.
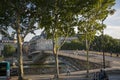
[73, 58]
[80, 55]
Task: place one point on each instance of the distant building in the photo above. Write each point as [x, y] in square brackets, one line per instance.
[39, 43]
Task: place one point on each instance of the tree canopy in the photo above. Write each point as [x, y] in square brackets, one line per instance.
[19, 15]
[58, 18]
[14, 10]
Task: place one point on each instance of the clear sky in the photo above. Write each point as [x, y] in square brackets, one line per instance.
[113, 22]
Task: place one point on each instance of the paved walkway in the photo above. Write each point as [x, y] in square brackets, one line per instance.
[113, 73]
[48, 77]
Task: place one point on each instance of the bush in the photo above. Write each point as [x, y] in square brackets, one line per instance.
[8, 50]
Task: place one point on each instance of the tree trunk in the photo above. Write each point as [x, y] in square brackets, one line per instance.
[57, 65]
[19, 48]
[56, 60]
[55, 42]
[87, 51]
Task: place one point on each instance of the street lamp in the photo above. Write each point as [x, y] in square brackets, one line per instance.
[111, 12]
[87, 49]
[103, 46]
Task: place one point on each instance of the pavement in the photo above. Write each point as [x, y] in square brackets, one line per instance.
[114, 77]
[47, 77]
[113, 74]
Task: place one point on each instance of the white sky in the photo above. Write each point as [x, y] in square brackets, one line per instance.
[113, 22]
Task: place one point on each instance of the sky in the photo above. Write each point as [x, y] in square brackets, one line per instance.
[113, 22]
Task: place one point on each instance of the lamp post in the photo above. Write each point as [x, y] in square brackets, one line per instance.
[111, 12]
[87, 50]
[103, 46]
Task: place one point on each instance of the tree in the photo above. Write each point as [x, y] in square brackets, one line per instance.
[111, 45]
[3, 22]
[59, 17]
[19, 15]
[89, 22]
[58, 20]
[8, 50]
[55, 21]
[105, 15]
[74, 45]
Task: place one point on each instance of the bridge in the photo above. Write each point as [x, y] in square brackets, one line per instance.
[94, 57]
[77, 60]
[81, 55]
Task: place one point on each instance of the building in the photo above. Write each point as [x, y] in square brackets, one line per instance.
[39, 43]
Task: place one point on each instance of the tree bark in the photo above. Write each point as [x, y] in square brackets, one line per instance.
[55, 43]
[87, 51]
[19, 48]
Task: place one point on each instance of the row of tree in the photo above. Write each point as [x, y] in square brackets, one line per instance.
[111, 45]
[58, 18]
